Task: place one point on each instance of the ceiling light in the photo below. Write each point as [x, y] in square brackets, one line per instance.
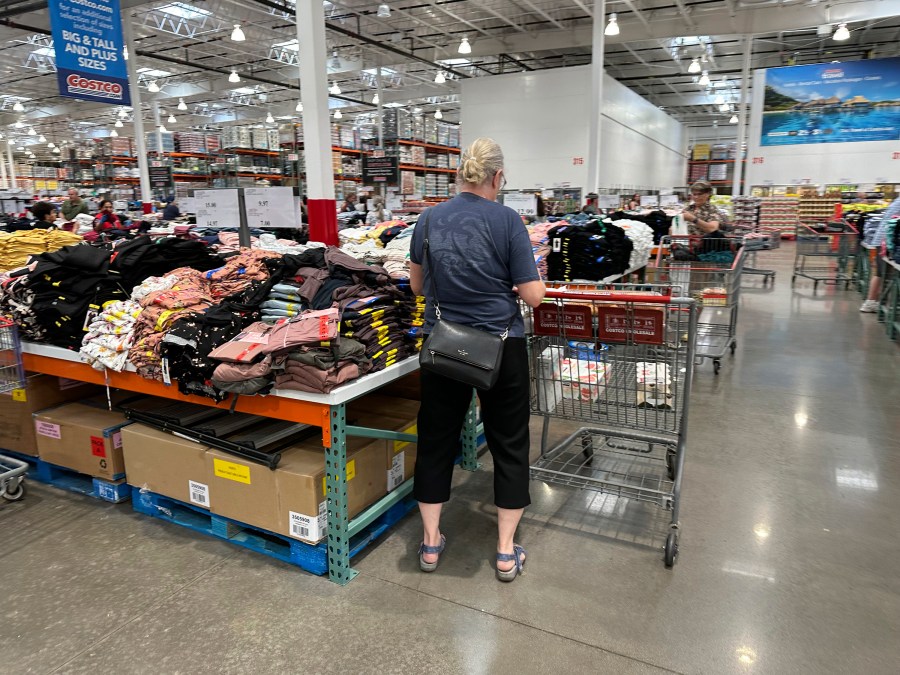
[42, 139]
[114, 133]
[438, 115]
[335, 62]
[375, 99]
[383, 11]
[335, 89]
[55, 151]
[153, 87]
[18, 107]
[162, 128]
[181, 104]
[125, 52]
[695, 65]
[31, 131]
[49, 145]
[269, 118]
[439, 78]
[234, 77]
[724, 107]
[612, 28]
[119, 124]
[704, 79]
[122, 113]
[464, 46]
[733, 120]
[338, 114]
[237, 34]
[299, 107]
[19, 124]
[171, 119]
[841, 33]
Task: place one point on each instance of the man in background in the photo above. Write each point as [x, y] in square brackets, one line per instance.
[74, 205]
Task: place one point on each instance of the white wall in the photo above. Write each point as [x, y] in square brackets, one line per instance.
[826, 163]
[541, 120]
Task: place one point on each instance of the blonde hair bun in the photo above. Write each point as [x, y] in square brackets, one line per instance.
[480, 161]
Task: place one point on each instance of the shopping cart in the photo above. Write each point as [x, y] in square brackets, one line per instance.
[12, 378]
[826, 253]
[709, 271]
[753, 241]
[622, 361]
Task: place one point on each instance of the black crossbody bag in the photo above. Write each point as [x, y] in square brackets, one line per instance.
[462, 353]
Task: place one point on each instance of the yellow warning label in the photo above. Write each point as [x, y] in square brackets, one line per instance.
[351, 474]
[399, 445]
[239, 473]
[19, 395]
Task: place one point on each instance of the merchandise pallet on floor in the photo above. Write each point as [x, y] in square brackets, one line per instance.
[326, 411]
[60, 477]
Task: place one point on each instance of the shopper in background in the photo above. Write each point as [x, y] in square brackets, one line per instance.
[45, 215]
[378, 214]
[105, 221]
[877, 240]
[171, 212]
[74, 205]
[482, 264]
[701, 216]
[540, 209]
[349, 204]
[590, 205]
[634, 203]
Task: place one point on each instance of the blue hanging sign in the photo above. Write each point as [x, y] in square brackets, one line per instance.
[87, 39]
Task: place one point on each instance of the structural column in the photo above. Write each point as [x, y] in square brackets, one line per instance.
[12, 166]
[599, 43]
[743, 115]
[140, 142]
[3, 180]
[321, 207]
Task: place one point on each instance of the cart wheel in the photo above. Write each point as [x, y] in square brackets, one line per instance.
[670, 464]
[733, 347]
[717, 366]
[587, 447]
[793, 279]
[671, 549]
[14, 494]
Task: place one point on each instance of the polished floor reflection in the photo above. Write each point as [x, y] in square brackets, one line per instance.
[789, 557]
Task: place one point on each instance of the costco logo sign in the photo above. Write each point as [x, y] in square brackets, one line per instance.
[78, 85]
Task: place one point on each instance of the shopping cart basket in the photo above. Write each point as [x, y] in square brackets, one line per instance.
[826, 253]
[12, 378]
[709, 271]
[622, 362]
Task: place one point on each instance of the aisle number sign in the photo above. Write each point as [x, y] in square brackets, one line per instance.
[87, 39]
[217, 208]
[525, 204]
[271, 207]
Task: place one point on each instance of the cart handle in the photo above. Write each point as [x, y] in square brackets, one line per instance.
[609, 296]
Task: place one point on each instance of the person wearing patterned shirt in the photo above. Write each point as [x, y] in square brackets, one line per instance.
[701, 216]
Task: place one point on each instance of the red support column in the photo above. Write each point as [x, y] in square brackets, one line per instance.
[323, 221]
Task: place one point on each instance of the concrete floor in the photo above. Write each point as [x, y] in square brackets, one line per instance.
[788, 561]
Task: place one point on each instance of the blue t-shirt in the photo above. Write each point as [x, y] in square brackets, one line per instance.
[480, 250]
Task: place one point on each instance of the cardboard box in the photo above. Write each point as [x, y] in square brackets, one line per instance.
[166, 464]
[582, 380]
[392, 414]
[291, 499]
[79, 437]
[40, 392]
[550, 391]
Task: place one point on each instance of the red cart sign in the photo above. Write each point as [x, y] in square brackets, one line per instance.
[573, 321]
[642, 325]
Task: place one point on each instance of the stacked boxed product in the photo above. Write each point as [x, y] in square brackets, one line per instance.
[153, 138]
[431, 133]
[407, 182]
[237, 137]
[272, 139]
[574, 373]
[746, 212]
[779, 213]
[259, 139]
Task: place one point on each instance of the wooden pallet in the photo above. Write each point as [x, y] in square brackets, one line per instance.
[114, 491]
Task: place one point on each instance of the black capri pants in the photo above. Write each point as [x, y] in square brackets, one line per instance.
[505, 412]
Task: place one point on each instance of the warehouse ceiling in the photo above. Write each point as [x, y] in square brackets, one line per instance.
[185, 49]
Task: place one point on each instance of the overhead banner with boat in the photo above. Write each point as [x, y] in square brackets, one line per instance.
[832, 103]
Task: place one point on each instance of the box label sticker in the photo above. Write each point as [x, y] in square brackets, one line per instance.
[239, 473]
[311, 528]
[399, 445]
[351, 474]
[199, 493]
[117, 440]
[19, 395]
[98, 446]
[395, 473]
[47, 429]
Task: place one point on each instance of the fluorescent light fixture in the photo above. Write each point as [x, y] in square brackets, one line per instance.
[464, 46]
[153, 72]
[704, 79]
[842, 33]
[612, 28]
[237, 34]
[244, 91]
[438, 115]
[338, 114]
[695, 65]
[114, 133]
[383, 11]
[181, 104]
[171, 119]
[269, 118]
[724, 107]
[299, 107]
[439, 78]
[18, 107]
[289, 45]
[153, 87]
[733, 120]
[375, 99]
[385, 72]
[185, 11]
[234, 77]
[335, 89]
[162, 128]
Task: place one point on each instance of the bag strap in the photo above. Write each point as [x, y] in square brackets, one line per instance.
[437, 307]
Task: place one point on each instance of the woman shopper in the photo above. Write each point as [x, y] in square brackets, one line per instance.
[479, 262]
[702, 217]
[378, 214]
[877, 240]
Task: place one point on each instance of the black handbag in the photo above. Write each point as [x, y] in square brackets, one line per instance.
[459, 352]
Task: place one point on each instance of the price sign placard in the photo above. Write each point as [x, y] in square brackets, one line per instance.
[649, 200]
[608, 201]
[525, 204]
[271, 207]
[668, 200]
[217, 208]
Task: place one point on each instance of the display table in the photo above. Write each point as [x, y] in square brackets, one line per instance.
[327, 411]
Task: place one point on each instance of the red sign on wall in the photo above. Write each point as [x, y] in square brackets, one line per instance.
[897, 155]
[577, 160]
[759, 160]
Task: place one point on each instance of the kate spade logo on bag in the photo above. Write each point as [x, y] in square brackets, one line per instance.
[462, 352]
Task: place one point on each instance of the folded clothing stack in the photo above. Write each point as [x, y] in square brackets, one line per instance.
[283, 302]
[377, 322]
[591, 251]
[17, 247]
[641, 236]
[322, 367]
[110, 335]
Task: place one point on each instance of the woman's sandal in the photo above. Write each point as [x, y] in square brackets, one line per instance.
[518, 555]
[427, 566]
